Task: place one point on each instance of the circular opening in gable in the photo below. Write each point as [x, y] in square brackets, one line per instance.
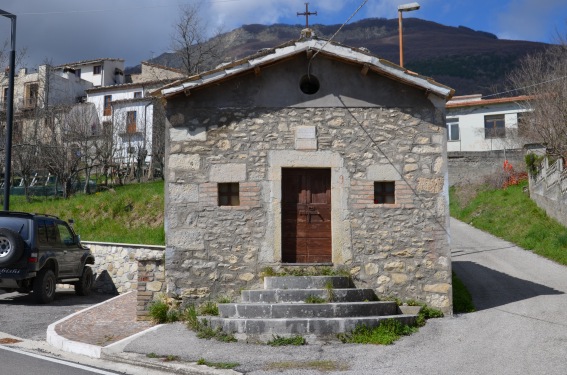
[309, 84]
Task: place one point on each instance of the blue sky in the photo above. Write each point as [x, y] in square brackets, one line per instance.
[70, 30]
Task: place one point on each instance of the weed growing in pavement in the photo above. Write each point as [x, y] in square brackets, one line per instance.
[330, 291]
[220, 365]
[165, 358]
[325, 365]
[164, 310]
[314, 299]
[278, 340]
[224, 299]
[202, 327]
[209, 308]
[385, 334]
[313, 271]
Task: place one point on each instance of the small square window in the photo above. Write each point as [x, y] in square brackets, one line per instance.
[97, 69]
[137, 94]
[384, 192]
[229, 194]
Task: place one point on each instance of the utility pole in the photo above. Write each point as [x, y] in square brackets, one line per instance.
[9, 112]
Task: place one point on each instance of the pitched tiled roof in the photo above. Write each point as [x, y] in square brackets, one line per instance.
[477, 101]
[87, 62]
[332, 49]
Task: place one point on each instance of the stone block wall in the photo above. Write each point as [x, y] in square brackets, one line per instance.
[151, 282]
[400, 250]
[116, 265]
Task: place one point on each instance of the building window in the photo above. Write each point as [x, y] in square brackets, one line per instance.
[384, 192]
[137, 94]
[131, 122]
[31, 94]
[78, 73]
[97, 69]
[107, 105]
[453, 133]
[229, 194]
[17, 132]
[494, 126]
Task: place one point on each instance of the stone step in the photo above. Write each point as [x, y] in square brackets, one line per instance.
[300, 295]
[263, 329]
[306, 282]
[306, 310]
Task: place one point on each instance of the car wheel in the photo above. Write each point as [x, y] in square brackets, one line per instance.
[11, 247]
[85, 284]
[44, 286]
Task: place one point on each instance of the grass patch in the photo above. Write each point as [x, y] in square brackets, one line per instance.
[314, 299]
[462, 300]
[385, 334]
[164, 310]
[221, 365]
[126, 214]
[203, 328]
[277, 340]
[307, 271]
[323, 365]
[510, 214]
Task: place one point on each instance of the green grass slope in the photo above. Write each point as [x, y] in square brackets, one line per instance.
[510, 214]
[125, 214]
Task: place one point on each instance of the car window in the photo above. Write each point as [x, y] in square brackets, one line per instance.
[41, 232]
[52, 232]
[18, 225]
[65, 235]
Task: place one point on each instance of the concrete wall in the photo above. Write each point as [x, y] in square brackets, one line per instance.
[548, 189]
[476, 167]
[365, 129]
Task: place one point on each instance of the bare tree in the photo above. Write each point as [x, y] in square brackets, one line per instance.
[544, 78]
[198, 50]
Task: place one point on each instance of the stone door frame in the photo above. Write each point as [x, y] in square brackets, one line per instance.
[271, 251]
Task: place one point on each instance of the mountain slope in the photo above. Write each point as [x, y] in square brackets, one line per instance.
[467, 60]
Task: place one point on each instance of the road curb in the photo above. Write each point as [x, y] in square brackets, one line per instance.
[94, 351]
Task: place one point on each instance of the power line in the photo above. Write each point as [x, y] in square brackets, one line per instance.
[335, 34]
[525, 87]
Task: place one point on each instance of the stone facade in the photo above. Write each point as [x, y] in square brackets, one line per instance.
[399, 249]
[364, 128]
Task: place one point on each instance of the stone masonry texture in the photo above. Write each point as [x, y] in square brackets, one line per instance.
[400, 250]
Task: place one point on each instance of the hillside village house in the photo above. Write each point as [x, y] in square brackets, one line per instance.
[137, 122]
[476, 124]
[311, 153]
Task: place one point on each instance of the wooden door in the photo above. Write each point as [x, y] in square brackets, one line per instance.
[306, 215]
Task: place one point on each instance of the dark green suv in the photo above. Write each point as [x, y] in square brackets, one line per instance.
[39, 251]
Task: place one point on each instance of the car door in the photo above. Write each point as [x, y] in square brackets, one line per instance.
[71, 252]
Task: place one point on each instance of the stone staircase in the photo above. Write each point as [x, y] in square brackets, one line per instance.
[280, 309]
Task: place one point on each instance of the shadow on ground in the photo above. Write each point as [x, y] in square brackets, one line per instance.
[63, 297]
[490, 288]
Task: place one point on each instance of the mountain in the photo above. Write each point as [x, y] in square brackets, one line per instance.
[469, 61]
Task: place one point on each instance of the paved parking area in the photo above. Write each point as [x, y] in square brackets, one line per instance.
[22, 317]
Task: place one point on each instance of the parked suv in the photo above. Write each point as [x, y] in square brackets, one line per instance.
[39, 251]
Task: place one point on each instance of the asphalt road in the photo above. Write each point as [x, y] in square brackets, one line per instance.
[17, 362]
[20, 316]
[520, 326]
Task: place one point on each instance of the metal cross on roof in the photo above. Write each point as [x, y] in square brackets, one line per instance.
[307, 13]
